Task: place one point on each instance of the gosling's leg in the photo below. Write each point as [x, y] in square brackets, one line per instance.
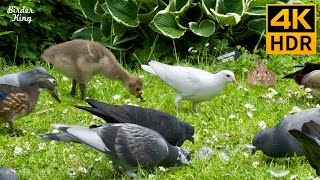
[73, 88]
[83, 91]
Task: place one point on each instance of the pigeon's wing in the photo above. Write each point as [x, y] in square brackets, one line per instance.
[8, 174]
[99, 113]
[135, 145]
[312, 79]
[63, 136]
[185, 80]
[112, 113]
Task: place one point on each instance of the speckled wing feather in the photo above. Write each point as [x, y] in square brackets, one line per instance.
[13, 101]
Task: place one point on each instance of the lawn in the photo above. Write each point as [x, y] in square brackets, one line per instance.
[225, 124]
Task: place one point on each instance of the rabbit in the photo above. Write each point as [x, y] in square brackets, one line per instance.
[261, 76]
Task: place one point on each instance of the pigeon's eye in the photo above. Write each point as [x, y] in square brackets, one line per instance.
[228, 75]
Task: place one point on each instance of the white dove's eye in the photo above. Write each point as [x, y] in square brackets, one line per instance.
[228, 75]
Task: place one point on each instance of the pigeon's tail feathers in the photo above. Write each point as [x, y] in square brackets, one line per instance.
[311, 128]
[148, 69]
[97, 112]
[89, 137]
[59, 137]
[63, 127]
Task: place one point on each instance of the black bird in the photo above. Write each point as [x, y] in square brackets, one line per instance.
[277, 142]
[172, 129]
[127, 145]
[17, 102]
[309, 138]
[8, 174]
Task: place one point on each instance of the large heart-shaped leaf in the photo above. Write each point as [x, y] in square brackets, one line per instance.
[227, 19]
[230, 6]
[206, 28]
[165, 22]
[254, 3]
[123, 11]
[258, 26]
[88, 33]
[88, 9]
[256, 11]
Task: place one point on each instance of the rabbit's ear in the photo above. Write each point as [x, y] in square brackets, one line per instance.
[256, 61]
[263, 62]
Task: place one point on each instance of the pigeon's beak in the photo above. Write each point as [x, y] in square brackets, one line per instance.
[192, 139]
[139, 96]
[234, 81]
[55, 94]
[254, 150]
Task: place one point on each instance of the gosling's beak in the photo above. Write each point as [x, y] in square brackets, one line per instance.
[139, 96]
[234, 81]
[55, 94]
[254, 150]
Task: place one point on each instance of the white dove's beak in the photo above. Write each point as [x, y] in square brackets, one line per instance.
[234, 81]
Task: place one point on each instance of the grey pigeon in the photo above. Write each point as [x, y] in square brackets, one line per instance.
[173, 130]
[277, 141]
[8, 174]
[22, 78]
[127, 145]
[309, 138]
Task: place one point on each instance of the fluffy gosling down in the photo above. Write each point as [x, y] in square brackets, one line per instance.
[191, 84]
[82, 59]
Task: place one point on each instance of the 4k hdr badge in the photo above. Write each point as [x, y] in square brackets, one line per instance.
[291, 29]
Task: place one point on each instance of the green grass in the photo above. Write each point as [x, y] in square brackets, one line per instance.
[55, 160]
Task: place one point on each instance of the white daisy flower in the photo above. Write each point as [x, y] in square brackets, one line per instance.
[116, 97]
[17, 150]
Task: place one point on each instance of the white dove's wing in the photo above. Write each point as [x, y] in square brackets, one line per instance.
[185, 80]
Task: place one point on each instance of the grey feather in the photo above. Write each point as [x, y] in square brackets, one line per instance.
[309, 138]
[22, 78]
[8, 174]
[277, 141]
[127, 145]
[172, 129]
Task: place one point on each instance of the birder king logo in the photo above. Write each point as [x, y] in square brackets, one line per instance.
[291, 29]
[19, 14]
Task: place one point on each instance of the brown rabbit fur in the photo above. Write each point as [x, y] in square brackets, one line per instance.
[261, 76]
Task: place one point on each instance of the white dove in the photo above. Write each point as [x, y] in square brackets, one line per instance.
[191, 84]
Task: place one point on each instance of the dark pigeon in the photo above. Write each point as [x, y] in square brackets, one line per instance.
[127, 145]
[309, 138]
[301, 73]
[172, 129]
[8, 174]
[22, 78]
[277, 142]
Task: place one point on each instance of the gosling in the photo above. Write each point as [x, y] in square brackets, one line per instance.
[80, 60]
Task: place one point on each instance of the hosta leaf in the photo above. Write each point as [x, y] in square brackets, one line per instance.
[254, 3]
[258, 26]
[119, 40]
[230, 6]
[227, 19]
[256, 11]
[89, 33]
[88, 9]
[194, 14]
[166, 23]
[106, 25]
[147, 18]
[206, 5]
[123, 11]
[206, 28]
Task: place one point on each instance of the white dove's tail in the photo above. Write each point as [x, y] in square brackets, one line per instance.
[148, 69]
